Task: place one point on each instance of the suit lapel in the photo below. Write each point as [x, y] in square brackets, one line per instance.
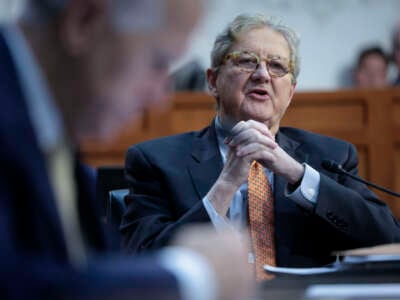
[206, 163]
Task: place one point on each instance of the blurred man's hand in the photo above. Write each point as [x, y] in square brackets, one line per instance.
[227, 254]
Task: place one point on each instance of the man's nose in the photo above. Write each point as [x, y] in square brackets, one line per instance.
[261, 73]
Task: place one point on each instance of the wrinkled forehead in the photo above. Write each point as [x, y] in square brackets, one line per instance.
[133, 16]
[263, 41]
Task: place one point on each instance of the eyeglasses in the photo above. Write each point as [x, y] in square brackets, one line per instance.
[248, 62]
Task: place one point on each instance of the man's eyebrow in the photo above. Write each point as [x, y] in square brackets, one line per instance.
[276, 56]
[269, 56]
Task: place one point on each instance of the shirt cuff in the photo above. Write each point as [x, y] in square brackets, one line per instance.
[306, 194]
[195, 276]
[220, 223]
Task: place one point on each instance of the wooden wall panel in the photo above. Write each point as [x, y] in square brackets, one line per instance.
[396, 117]
[397, 167]
[396, 147]
[396, 112]
[189, 120]
[327, 115]
[363, 161]
[192, 113]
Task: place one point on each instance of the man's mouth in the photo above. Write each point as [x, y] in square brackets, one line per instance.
[259, 94]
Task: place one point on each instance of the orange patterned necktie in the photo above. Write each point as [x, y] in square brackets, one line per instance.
[261, 219]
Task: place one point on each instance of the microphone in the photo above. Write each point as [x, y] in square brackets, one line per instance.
[334, 167]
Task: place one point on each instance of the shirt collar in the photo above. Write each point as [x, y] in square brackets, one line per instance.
[45, 116]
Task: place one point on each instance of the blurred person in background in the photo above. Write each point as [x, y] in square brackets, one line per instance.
[72, 70]
[371, 70]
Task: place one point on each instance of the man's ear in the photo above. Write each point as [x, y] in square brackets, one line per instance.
[292, 89]
[212, 75]
[82, 24]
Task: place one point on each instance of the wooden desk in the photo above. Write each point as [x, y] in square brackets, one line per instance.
[293, 287]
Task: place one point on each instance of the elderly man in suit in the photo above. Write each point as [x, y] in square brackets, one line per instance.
[245, 171]
[72, 70]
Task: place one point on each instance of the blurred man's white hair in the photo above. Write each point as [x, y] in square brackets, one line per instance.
[126, 15]
[10, 10]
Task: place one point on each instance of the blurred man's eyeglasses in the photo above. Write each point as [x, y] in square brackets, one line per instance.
[249, 62]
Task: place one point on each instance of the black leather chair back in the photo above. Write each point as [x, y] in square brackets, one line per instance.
[116, 206]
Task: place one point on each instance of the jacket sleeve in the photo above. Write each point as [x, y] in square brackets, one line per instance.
[353, 211]
[152, 218]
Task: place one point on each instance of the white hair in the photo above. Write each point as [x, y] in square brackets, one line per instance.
[244, 23]
[38, 11]
[11, 10]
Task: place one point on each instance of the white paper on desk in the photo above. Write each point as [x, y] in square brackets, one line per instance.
[300, 271]
[354, 291]
[360, 259]
[381, 253]
[387, 249]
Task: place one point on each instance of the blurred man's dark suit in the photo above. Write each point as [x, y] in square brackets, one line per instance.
[33, 255]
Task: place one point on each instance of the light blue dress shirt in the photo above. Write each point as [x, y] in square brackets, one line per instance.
[305, 195]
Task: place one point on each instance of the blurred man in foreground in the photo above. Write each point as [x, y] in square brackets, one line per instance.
[78, 69]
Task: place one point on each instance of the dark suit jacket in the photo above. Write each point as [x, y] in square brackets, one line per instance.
[33, 258]
[169, 176]
[397, 81]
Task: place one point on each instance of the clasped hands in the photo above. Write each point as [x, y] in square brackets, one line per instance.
[249, 141]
